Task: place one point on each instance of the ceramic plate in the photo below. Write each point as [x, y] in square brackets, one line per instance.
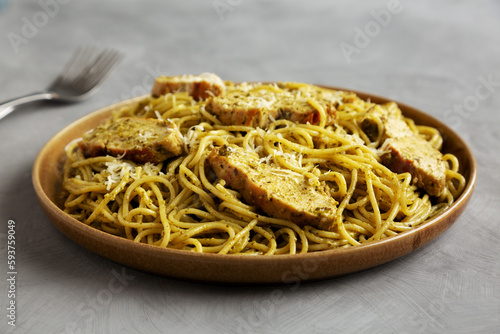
[47, 176]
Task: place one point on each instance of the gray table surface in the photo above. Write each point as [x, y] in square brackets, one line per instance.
[442, 57]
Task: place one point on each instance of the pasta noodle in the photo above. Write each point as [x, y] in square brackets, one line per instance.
[178, 203]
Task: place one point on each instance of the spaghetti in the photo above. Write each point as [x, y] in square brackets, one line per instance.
[179, 204]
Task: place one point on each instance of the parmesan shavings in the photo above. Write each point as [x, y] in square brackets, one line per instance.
[191, 136]
[117, 169]
[144, 136]
[158, 115]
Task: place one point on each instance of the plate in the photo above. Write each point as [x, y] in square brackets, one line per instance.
[280, 269]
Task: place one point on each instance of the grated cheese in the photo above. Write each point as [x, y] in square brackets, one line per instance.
[144, 136]
[158, 115]
[117, 169]
[191, 136]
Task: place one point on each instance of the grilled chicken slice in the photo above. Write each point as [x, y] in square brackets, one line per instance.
[199, 87]
[138, 139]
[299, 108]
[278, 192]
[259, 105]
[417, 157]
[405, 151]
[249, 108]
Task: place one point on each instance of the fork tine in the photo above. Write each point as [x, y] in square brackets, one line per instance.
[87, 69]
[103, 70]
[98, 69]
[104, 60]
[80, 56]
[68, 75]
[69, 65]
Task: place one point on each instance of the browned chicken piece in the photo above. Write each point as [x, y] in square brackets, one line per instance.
[405, 151]
[278, 192]
[200, 87]
[298, 108]
[138, 139]
[257, 106]
[249, 108]
[420, 159]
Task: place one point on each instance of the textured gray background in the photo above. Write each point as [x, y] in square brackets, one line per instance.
[433, 55]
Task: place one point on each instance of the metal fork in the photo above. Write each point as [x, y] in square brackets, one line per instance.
[80, 78]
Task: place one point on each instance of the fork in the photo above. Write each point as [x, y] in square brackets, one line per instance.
[80, 78]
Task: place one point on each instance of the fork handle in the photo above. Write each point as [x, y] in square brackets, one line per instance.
[9, 106]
